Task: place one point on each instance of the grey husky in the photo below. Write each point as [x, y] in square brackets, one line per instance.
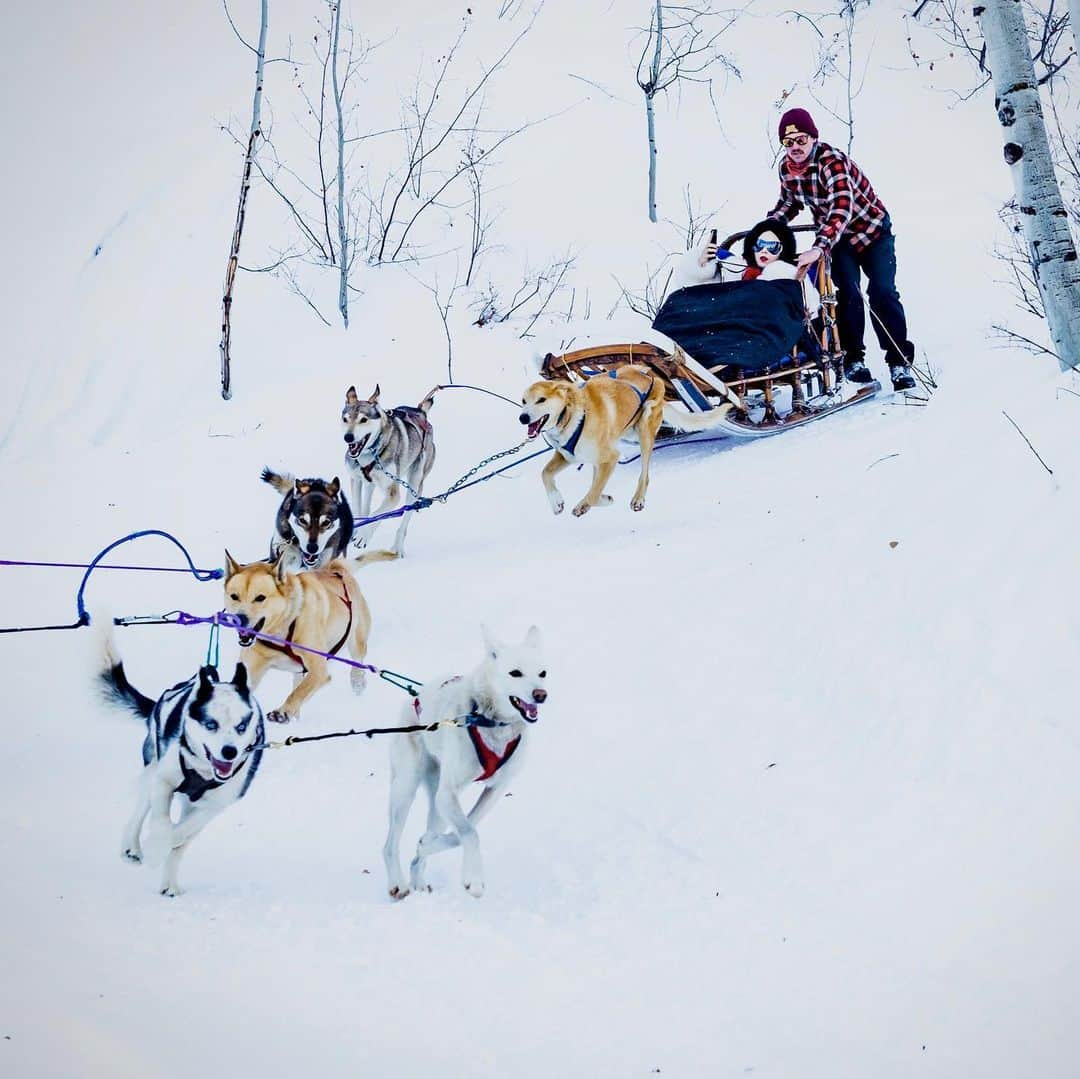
[382, 448]
[314, 523]
[202, 747]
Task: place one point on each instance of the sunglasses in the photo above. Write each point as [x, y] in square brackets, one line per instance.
[773, 247]
[794, 140]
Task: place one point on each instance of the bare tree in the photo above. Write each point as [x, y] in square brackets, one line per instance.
[648, 299]
[681, 45]
[245, 185]
[343, 231]
[835, 38]
[1018, 45]
[538, 293]
[343, 213]
[1052, 253]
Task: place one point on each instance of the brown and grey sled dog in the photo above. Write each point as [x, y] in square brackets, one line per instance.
[322, 609]
[314, 523]
[382, 448]
[584, 423]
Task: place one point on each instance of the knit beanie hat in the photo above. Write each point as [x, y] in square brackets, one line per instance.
[797, 121]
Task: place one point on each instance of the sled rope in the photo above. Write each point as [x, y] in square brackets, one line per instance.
[87, 565]
[422, 502]
[231, 621]
[478, 389]
[83, 618]
[370, 732]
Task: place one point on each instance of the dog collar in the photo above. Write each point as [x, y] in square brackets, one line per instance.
[194, 784]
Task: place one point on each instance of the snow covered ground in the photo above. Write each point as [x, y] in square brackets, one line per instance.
[803, 803]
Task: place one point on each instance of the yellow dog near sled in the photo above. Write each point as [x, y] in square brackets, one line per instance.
[584, 424]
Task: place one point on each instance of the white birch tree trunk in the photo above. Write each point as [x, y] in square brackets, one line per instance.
[650, 122]
[245, 185]
[343, 234]
[1027, 152]
[650, 117]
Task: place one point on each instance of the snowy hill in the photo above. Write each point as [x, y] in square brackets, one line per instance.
[803, 801]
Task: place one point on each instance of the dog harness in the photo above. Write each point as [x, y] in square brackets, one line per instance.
[405, 413]
[287, 649]
[490, 761]
[570, 444]
[195, 785]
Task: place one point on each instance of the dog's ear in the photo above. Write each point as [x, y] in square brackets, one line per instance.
[231, 565]
[301, 487]
[350, 396]
[374, 398]
[532, 638]
[333, 487]
[240, 679]
[208, 678]
[491, 643]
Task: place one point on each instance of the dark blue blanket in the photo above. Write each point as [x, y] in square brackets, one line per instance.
[748, 324]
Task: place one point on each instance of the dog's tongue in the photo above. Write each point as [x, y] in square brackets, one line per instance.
[222, 769]
[534, 427]
[530, 710]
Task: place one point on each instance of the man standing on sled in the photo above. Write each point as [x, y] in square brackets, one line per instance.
[854, 227]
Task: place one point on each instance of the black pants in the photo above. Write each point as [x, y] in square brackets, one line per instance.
[878, 262]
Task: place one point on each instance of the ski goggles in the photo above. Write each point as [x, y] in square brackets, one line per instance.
[794, 140]
[773, 247]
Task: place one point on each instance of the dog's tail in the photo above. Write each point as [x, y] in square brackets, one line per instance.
[282, 482]
[115, 687]
[374, 556]
[682, 420]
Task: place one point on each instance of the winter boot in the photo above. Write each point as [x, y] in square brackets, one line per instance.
[901, 376]
[857, 371]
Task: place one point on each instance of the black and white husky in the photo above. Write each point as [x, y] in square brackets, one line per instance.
[314, 523]
[382, 448]
[201, 748]
[487, 715]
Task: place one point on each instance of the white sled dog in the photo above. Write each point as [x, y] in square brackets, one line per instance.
[202, 747]
[499, 702]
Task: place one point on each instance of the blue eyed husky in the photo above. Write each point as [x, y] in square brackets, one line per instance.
[202, 747]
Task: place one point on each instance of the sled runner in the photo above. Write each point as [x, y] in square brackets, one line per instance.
[752, 343]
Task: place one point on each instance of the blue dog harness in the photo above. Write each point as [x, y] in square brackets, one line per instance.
[570, 445]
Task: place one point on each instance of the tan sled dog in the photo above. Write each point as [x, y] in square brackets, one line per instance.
[321, 609]
[585, 423]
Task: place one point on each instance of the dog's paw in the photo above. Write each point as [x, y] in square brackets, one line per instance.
[399, 892]
[474, 887]
[358, 680]
[605, 500]
[279, 715]
[581, 509]
[133, 855]
[171, 891]
[557, 505]
[360, 542]
[637, 504]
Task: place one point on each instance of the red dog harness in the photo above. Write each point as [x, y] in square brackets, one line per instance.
[287, 648]
[490, 761]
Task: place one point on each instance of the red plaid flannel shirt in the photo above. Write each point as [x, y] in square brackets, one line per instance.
[838, 195]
